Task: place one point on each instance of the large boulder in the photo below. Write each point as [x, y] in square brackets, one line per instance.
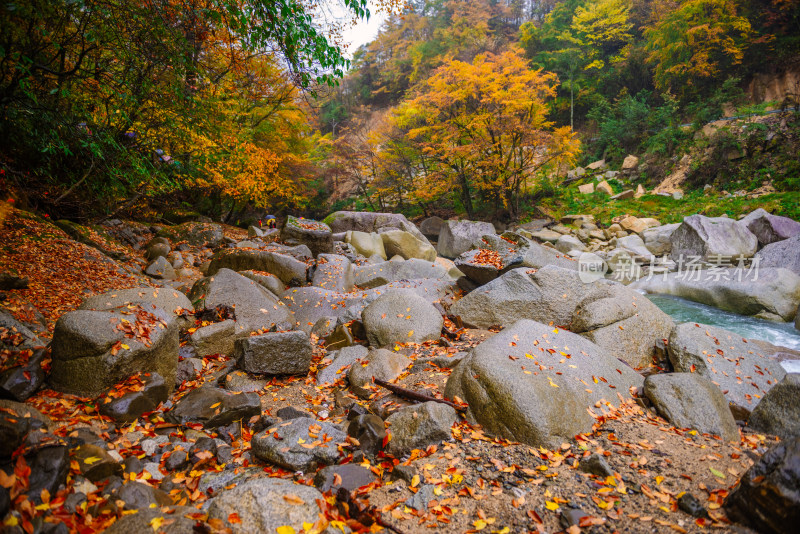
[256, 308]
[290, 270]
[160, 269]
[535, 383]
[778, 412]
[657, 240]
[711, 238]
[619, 319]
[401, 316]
[768, 293]
[195, 233]
[770, 228]
[274, 353]
[457, 237]
[784, 254]
[493, 255]
[334, 272]
[170, 300]
[93, 350]
[767, 497]
[315, 235]
[363, 221]
[283, 445]
[379, 363]
[638, 225]
[431, 227]
[687, 400]
[259, 504]
[406, 245]
[378, 274]
[732, 363]
[366, 244]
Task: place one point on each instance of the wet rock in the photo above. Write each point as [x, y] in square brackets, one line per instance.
[95, 463]
[778, 412]
[14, 427]
[369, 430]
[214, 407]
[49, 468]
[261, 507]
[420, 425]
[688, 400]
[282, 445]
[767, 497]
[274, 353]
[132, 404]
[141, 496]
[348, 476]
[401, 316]
[20, 382]
[88, 355]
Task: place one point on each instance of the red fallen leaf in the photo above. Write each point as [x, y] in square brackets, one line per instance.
[234, 518]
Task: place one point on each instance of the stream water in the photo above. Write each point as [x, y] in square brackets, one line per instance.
[682, 310]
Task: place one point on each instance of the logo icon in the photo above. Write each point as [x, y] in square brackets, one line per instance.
[591, 267]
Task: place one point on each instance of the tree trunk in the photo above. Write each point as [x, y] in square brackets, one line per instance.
[466, 198]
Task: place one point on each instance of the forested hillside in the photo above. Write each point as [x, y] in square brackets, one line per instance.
[479, 107]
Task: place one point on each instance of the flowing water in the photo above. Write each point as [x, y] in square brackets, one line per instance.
[682, 311]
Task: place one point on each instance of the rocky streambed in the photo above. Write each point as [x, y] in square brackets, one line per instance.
[363, 374]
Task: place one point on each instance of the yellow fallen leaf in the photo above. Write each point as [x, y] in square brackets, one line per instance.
[550, 505]
[156, 522]
[479, 524]
[415, 481]
[285, 529]
[91, 460]
[410, 333]
[215, 404]
[124, 346]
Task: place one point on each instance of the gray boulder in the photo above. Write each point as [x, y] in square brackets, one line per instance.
[420, 425]
[406, 245]
[569, 244]
[770, 228]
[170, 300]
[711, 238]
[543, 235]
[615, 317]
[89, 348]
[333, 272]
[768, 293]
[493, 255]
[283, 445]
[402, 316]
[214, 407]
[161, 269]
[342, 360]
[363, 221]
[274, 353]
[657, 240]
[261, 507]
[778, 413]
[735, 366]
[267, 280]
[195, 233]
[431, 227]
[348, 476]
[174, 519]
[784, 254]
[289, 270]
[369, 276]
[687, 400]
[158, 246]
[216, 338]
[381, 363]
[366, 244]
[457, 237]
[315, 235]
[517, 388]
[256, 308]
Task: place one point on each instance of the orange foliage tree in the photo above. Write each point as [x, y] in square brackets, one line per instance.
[485, 126]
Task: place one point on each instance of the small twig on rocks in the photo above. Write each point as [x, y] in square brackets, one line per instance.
[415, 395]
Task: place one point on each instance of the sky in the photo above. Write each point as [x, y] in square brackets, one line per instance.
[364, 31]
